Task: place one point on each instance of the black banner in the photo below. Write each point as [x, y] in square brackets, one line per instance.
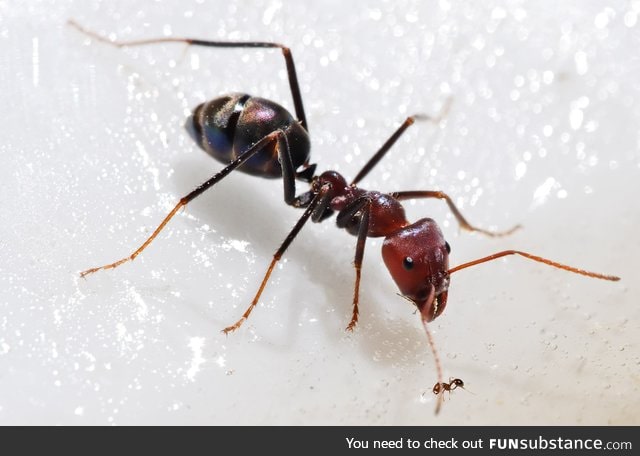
[320, 440]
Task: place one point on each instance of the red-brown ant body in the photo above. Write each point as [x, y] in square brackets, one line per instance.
[440, 387]
[260, 137]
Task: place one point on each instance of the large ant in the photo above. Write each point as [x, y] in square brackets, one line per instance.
[260, 137]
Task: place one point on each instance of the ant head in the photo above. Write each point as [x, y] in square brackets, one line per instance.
[417, 256]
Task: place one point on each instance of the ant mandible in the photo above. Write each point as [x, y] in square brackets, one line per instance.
[260, 137]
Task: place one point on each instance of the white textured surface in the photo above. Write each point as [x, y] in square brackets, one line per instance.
[543, 132]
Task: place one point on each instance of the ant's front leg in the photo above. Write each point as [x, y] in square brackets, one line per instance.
[401, 196]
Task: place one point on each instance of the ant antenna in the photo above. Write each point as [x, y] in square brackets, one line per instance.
[434, 351]
[436, 359]
[495, 256]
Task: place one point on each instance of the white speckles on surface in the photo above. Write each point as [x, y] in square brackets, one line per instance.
[542, 131]
[196, 344]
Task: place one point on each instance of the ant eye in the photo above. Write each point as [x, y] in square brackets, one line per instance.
[447, 246]
[408, 263]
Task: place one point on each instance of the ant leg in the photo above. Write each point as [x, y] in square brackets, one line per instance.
[286, 52]
[320, 200]
[288, 171]
[400, 196]
[257, 147]
[373, 161]
[495, 256]
[362, 205]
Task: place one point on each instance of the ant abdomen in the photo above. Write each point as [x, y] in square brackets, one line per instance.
[227, 126]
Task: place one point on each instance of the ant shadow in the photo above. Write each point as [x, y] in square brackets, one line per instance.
[243, 212]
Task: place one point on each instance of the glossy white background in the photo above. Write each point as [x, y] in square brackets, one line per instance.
[543, 131]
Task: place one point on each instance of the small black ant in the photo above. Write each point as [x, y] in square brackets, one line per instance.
[260, 137]
[440, 387]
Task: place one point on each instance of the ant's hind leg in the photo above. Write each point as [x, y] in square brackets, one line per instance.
[400, 196]
[286, 52]
[257, 147]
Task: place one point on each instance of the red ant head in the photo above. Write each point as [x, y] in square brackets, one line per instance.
[417, 257]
